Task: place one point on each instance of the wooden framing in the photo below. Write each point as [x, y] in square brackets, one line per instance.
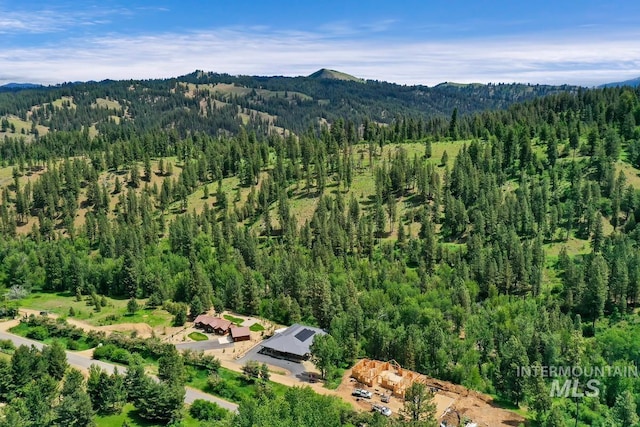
[388, 375]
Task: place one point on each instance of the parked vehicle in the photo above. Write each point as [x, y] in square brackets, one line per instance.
[381, 409]
[385, 398]
[358, 392]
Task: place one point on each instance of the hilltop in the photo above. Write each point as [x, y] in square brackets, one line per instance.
[325, 73]
[632, 82]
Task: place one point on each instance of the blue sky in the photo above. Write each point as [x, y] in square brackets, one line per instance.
[403, 41]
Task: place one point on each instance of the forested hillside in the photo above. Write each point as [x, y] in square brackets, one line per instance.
[218, 104]
[462, 246]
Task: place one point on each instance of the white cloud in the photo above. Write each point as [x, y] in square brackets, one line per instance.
[555, 60]
[54, 20]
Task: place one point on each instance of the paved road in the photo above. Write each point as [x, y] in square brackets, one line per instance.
[82, 362]
[203, 345]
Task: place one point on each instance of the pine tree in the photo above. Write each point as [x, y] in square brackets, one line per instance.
[196, 307]
[132, 306]
[380, 217]
[118, 186]
[596, 287]
[624, 410]
[453, 125]
[418, 403]
[147, 169]
[134, 176]
[444, 159]
[552, 151]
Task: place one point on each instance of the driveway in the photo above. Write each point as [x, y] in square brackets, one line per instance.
[82, 362]
[204, 345]
[296, 369]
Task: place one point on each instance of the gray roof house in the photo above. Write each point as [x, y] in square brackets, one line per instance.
[292, 343]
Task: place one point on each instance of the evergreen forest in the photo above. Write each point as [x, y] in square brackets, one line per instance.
[461, 230]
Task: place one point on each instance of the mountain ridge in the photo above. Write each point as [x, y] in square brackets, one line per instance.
[631, 82]
[13, 86]
[216, 103]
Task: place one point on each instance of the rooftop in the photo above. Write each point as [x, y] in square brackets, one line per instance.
[213, 322]
[240, 331]
[296, 339]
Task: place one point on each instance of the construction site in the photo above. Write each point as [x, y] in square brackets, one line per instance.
[456, 405]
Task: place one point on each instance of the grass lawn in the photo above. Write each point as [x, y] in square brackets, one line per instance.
[256, 327]
[197, 336]
[114, 312]
[232, 387]
[81, 344]
[238, 321]
[130, 416]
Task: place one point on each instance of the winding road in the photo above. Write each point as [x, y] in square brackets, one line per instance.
[83, 362]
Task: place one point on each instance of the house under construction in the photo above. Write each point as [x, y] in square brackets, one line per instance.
[388, 375]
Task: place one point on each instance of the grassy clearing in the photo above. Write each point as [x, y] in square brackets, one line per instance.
[256, 327]
[573, 245]
[231, 385]
[236, 320]
[196, 200]
[6, 175]
[113, 313]
[59, 103]
[363, 184]
[632, 174]
[129, 416]
[108, 103]
[23, 128]
[197, 336]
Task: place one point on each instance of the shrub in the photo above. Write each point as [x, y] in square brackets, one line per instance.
[38, 333]
[120, 355]
[95, 337]
[7, 345]
[215, 383]
[251, 370]
[104, 352]
[200, 360]
[206, 411]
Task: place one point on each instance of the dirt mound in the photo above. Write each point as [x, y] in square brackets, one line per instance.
[142, 329]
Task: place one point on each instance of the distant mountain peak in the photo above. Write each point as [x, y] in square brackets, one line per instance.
[20, 86]
[325, 73]
[631, 82]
